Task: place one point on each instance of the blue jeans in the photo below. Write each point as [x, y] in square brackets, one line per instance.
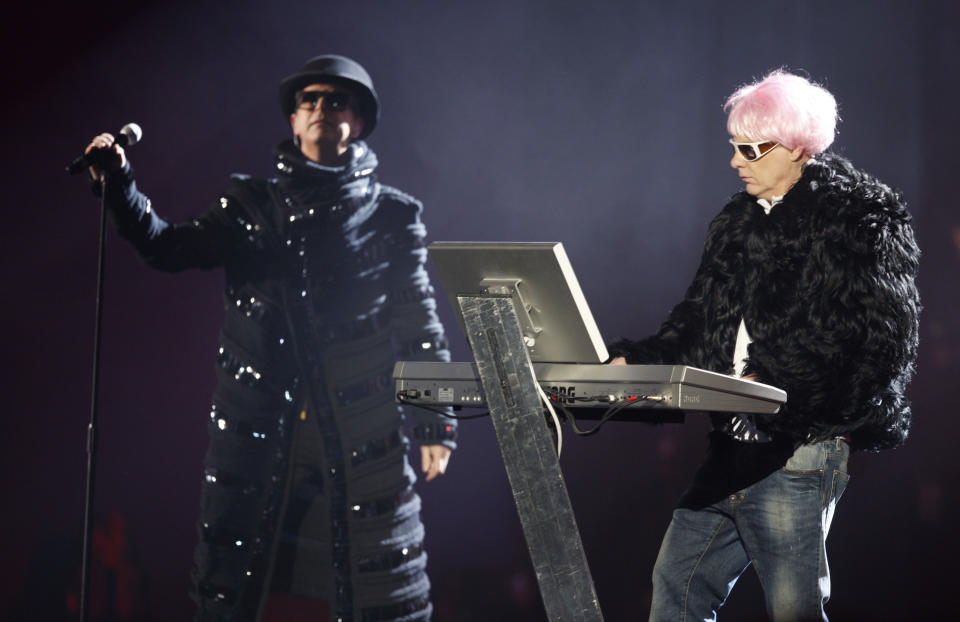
[778, 524]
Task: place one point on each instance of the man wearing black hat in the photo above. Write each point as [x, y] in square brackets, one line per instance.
[307, 493]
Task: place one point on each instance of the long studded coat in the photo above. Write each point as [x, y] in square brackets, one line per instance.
[306, 484]
[826, 286]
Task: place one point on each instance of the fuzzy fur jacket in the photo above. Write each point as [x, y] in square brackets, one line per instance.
[826, 286]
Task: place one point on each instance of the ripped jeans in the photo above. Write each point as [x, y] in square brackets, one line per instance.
[779, 525]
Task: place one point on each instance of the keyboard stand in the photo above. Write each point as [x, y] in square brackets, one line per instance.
[530, 458]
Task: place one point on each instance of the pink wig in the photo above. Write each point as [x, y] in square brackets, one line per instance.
[784, 108]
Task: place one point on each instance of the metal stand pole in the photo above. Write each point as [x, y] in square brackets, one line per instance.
[539, 492]
[88, 515]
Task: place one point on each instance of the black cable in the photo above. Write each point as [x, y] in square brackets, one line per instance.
[403, 399]
[608, 414]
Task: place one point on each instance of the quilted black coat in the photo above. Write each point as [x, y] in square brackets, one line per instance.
[325, 288]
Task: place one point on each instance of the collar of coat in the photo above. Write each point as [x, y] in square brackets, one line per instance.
[309, 186]
[291, 164]
[832, 188]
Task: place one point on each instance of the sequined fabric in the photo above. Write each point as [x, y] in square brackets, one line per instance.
[306, 484]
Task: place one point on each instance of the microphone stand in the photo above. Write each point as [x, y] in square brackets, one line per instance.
[88, 515]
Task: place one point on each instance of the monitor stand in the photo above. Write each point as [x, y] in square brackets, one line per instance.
[530, 458]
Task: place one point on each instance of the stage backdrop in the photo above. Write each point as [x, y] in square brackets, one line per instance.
[598, 124]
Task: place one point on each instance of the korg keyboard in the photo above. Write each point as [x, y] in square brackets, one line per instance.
[595, 386]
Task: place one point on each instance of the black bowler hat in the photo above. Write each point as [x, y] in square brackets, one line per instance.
[334, 69]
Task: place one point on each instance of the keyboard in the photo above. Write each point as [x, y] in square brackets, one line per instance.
[677, 387]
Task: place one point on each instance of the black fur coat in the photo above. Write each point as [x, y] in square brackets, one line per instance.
[826, 286]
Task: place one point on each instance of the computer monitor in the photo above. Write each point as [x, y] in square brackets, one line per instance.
[554, 316]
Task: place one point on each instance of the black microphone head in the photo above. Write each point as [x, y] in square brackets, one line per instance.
[130, 135]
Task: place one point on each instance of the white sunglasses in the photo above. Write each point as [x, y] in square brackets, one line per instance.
[751, 152]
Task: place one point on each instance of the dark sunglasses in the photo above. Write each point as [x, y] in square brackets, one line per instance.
[752, 152]
[333, 101]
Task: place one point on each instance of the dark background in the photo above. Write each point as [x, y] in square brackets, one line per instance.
[598, 124]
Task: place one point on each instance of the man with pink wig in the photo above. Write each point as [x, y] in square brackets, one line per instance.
[807, 283]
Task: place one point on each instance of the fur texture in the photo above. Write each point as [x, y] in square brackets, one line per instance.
[826, 286]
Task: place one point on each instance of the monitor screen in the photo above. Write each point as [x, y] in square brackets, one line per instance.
[554, 316]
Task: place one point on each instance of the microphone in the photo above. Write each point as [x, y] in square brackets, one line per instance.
[129, 135]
